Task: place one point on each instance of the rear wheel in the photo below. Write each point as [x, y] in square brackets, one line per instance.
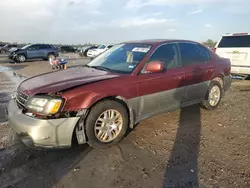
[106, 124]
[2, 51]
[52, 56]
[21, 58]
[213, 96]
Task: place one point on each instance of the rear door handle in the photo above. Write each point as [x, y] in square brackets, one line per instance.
[178, 77]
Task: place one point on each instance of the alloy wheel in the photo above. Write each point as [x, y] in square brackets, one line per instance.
[108, 125]
[214, 95]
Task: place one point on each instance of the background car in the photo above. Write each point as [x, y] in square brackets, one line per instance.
[236, 47]
[85, 50]
[67, 49]
[95, 52]
[34, 51]
[5, 49]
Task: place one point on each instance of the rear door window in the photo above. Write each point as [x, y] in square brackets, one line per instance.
[205, 52]
[43, 46]
[191, 54]
[235, 41]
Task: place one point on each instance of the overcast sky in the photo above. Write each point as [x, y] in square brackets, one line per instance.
[110, 21]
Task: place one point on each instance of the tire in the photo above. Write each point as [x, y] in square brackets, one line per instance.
[207, 103]
[21, 58]
[2, 52]
[91, 123]
[50, 56]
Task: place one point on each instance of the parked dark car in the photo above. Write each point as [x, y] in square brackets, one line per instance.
[85, 50]
[67, 49]
[34, 51]
[5, 49]
[128, 83]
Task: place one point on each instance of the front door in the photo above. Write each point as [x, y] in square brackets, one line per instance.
[33, 51]
[162, 91]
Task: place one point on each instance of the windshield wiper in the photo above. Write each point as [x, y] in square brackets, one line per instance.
[100, 68]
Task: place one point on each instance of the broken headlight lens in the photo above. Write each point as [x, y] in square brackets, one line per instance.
[44, 105]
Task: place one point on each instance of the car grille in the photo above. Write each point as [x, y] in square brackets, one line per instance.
[21, 99]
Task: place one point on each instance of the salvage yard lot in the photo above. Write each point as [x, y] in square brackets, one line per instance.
[190, 147]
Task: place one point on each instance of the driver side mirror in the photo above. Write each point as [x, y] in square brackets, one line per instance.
[154, 66]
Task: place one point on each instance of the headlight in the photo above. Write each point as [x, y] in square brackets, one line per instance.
[44, 105]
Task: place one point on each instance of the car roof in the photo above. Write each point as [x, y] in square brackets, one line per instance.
[158, 41]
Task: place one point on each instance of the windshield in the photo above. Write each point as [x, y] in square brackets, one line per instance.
[102, 47]
[122, 58]
[26, 47]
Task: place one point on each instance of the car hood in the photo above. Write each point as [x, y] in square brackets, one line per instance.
[62, 80]
[16, 50]
[13, 49]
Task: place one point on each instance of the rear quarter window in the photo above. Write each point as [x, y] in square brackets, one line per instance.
[205, 52]
[191, 54]
[235, 42]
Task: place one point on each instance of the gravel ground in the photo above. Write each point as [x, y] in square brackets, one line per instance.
[190, 147]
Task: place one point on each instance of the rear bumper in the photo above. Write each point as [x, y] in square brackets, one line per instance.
[52, 133]
[240, 70]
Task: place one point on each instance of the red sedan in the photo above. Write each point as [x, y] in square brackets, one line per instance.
[132, 81]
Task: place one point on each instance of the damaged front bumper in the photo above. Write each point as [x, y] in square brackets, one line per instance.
[45, 133]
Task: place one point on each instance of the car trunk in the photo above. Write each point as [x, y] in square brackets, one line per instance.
[238, 56]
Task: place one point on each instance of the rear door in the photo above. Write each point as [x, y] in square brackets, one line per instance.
[198, 70]
[44, 49]
[162, 91]
[236, 48]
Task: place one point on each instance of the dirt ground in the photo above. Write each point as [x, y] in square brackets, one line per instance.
[190, 147]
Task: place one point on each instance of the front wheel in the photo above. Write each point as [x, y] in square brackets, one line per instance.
[21, 58]
[213, 96]
[106, 124]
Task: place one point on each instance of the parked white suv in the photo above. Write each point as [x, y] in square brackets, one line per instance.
[236, 47]
[97, 51]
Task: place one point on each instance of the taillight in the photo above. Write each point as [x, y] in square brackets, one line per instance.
[214, 49]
